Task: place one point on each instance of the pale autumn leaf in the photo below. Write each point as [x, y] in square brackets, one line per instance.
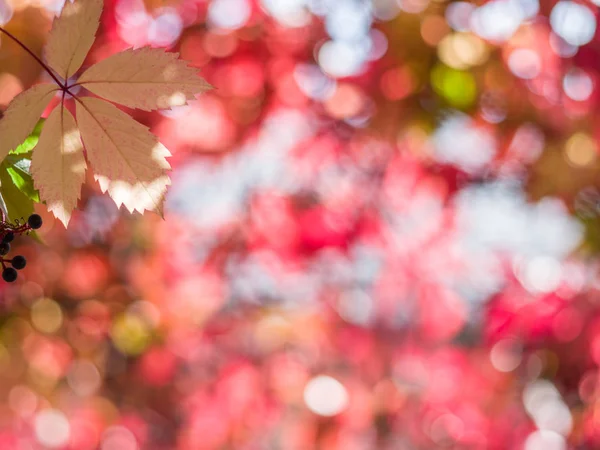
[128, 161]
[58, 164]
[72, 36]
[144, 78]
[22, 115]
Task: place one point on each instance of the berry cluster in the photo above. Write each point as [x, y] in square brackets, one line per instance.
[8, 231]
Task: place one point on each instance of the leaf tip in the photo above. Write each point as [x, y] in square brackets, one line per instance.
[61, 214]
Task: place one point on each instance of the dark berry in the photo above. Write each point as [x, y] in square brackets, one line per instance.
[4, 248]
[19, 262]
[8, 237]
[9, 274]
[34, 221]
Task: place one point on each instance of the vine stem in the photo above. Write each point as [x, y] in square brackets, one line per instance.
[62, 86]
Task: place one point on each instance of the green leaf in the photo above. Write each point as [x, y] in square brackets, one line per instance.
[17, 203]
[16, 183]
[18, 170]
[31, 140]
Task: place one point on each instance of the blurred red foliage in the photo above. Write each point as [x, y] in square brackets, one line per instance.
[382, 233]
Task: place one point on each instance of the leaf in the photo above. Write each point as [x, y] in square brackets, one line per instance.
[31, 140]
[18, 204]
[3, 208]
[127, 159]
[72, 36]
[18, 170]
[22, 115]
[58, 165]
[145, 78]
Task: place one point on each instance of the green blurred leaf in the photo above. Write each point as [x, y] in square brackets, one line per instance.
[17, 203]
[19, 206]
[18, 170]
[16, 184]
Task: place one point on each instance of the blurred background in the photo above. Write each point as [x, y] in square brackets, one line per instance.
[382, 233]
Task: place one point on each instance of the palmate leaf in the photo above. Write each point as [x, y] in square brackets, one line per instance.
[127, 160]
